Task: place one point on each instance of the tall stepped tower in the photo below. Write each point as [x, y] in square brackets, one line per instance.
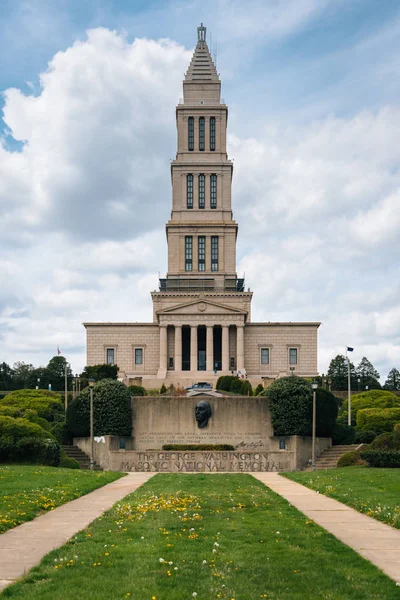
[201, 296]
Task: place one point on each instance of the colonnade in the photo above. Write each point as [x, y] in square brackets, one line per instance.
[194, 348]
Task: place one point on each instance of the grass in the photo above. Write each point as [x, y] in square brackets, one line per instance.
[374, 492]
[28, 491]
[181, 537]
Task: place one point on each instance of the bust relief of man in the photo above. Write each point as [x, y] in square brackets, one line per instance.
[203, 413]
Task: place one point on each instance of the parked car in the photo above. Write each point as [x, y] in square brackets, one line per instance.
[201, 385]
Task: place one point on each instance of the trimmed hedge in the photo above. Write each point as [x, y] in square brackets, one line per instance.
[246, 390]
[365, 437]
[378, 419]
[343, 434]
[259, 389]
[67, 462]
[193, 447]
[14, 429]
[382, 458]
[387, 441]
[291, 407]
[370, 399]
[137, 390]
[46, 404]
[112, 412]
[30, 450]
[224, 382]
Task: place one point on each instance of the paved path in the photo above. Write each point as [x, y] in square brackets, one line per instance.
[375, 541]
[24, 546]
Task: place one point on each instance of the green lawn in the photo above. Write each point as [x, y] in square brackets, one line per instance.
[375, 492]
[28, 491]
[181, 537]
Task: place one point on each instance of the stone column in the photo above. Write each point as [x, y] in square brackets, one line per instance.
[193, 347]
[240, 347]
[162, 373]
[225, 348]
[178, 348]
[210, 348]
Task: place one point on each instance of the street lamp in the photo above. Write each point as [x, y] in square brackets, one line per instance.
[314, 386]
[38, 383]
[91, 386]
[358, 381]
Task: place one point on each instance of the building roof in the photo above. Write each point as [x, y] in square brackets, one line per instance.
[201, 68]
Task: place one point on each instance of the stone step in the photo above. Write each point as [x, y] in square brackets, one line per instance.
[82, 458]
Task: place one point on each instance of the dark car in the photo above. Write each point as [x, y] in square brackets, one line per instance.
[201, 385]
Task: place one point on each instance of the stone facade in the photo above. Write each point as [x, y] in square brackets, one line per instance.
[202, 314]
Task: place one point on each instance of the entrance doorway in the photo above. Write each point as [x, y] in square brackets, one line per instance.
[217, 348]
[186, 348]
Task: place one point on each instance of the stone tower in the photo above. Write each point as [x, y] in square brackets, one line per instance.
[201, 296]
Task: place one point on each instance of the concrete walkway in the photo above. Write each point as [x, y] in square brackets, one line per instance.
[24, 546]
[375, 541]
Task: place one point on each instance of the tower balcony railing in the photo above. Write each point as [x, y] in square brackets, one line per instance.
[205, 102]
[201, 284]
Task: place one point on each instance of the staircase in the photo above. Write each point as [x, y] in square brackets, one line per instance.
[328, 458]
[78, 454]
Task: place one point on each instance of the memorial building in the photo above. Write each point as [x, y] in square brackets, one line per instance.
[202, 324]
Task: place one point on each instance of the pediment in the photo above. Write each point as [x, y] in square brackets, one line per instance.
[203, 306]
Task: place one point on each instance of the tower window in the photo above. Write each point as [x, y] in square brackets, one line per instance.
[293, 356]
[188, 252]
[213, 191]
[202, 191]
[201, 134]
[189, 191]
[214, 253]
[202, 252]
[191, 133]
[212, 133]
[110, 356]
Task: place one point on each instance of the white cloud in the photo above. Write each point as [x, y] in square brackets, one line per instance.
[85, 202]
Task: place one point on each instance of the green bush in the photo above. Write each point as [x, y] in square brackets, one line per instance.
[247, 390]
[61, 433]
[194, 447]
[46, 404]
[370, 399]
[350, 459]
[343, 434]
[382, 458]
[136, 390]
[30, 450]
[236, 386]
[259, 389]
[153, 392]
[225, 382]
[378, 419]
[14, 429]
[68, 463]
[291, 407]
[112, 412]
[163, 389]
[219, 381]
[387, 441]
[365, 437]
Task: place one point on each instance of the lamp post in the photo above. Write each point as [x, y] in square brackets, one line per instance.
[38, 383]
[314, 386]
[91, 386]
[358, 381]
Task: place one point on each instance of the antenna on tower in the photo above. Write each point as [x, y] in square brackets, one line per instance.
[215, 54]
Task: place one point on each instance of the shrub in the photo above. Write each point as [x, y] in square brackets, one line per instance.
[326, 412]
[61, 433]
[46, 404]
[247, 390]
[194, 447]
[387, 441]
[382, 458]
[365, 437]
[14, 429]
[219, 381]
[30, 450]
[112, 412]
[378, 419]
[259, 389]
[136, 390]
[350, 459]
[236, 386]
[68, 463]
[370, 399]
[153, 392]
[163, 389]
[225, 382]
[343, 434]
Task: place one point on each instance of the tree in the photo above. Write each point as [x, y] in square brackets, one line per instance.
[368, 375]
[338, 373]
[392, 382]
[56, 369]
[6, 377]
[98, 372]
[21, 372]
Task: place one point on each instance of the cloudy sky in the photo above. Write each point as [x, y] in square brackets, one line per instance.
[89, 89]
